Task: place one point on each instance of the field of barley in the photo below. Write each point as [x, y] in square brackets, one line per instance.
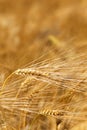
[43, 65]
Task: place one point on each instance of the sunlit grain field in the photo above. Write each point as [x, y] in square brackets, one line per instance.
[43, 65]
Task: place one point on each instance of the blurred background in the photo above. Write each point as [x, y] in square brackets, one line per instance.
[25, 24]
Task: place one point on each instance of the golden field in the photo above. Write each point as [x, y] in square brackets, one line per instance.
[43, 65]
